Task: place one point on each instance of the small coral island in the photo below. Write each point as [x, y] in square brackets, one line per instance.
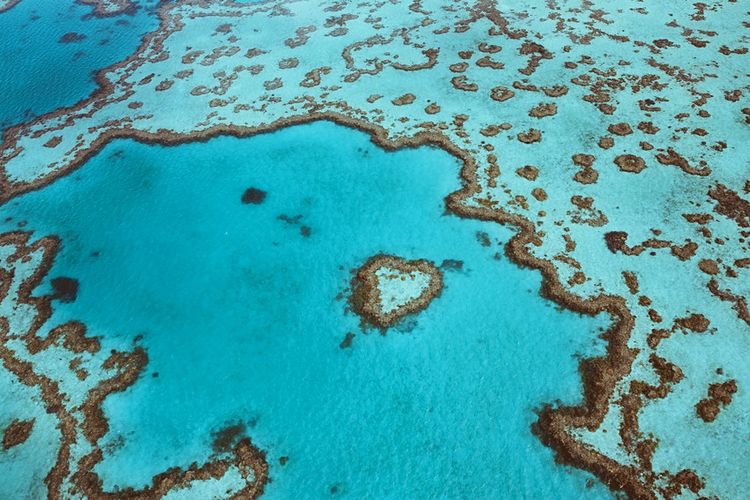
[387, 288]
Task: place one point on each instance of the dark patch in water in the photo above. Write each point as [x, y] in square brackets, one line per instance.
[225, 439]
[347, 342]
[305, 231]
[452, 265]
[72, 37]
[253, 196]
[483, 238]
[289, 220]
[64, 289]
[407, 325]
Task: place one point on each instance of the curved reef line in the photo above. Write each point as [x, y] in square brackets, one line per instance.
[599, 374]
[7, 5]
[128, 366]
[104, 89]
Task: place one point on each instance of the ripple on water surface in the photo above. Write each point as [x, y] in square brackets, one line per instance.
[51, 51]
[242, 308]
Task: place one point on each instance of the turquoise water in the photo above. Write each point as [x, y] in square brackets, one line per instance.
[47, 74]
[242, 308]
[242, 317]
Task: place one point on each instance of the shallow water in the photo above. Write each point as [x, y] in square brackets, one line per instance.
[242, 317]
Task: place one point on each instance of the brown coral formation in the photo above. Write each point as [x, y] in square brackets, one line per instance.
[731, 205]
[64, 289]
[528, 172]
[587, 174]
[501, 94]
[602, 84]
[620, 129]
[671, 157]
[17, 433]
[93, 425]
[253, 196]
[719, 396]
[404, 100]
[630, 163]
[543, 109]
[365, 299]
[530, 136]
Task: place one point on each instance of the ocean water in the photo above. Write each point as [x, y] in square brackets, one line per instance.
[39, 74]
[242, 307]
[242, 316]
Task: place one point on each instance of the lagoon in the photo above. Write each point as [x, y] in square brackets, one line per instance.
[242, 312]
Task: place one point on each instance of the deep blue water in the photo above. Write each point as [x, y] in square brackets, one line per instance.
[39, 74]
[240, 316]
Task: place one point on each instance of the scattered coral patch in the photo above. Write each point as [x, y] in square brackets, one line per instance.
[64, 289]
[404, 100]
[253, 196]
[347, 342]
[620, 129]
[225, 439]
[731, 205]
[630, 163]
[530, 136]
[72, 38]
[719, 395]
[543, 109]
[17, 433]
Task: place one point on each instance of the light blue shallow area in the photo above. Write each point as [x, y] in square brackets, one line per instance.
[240, 316]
